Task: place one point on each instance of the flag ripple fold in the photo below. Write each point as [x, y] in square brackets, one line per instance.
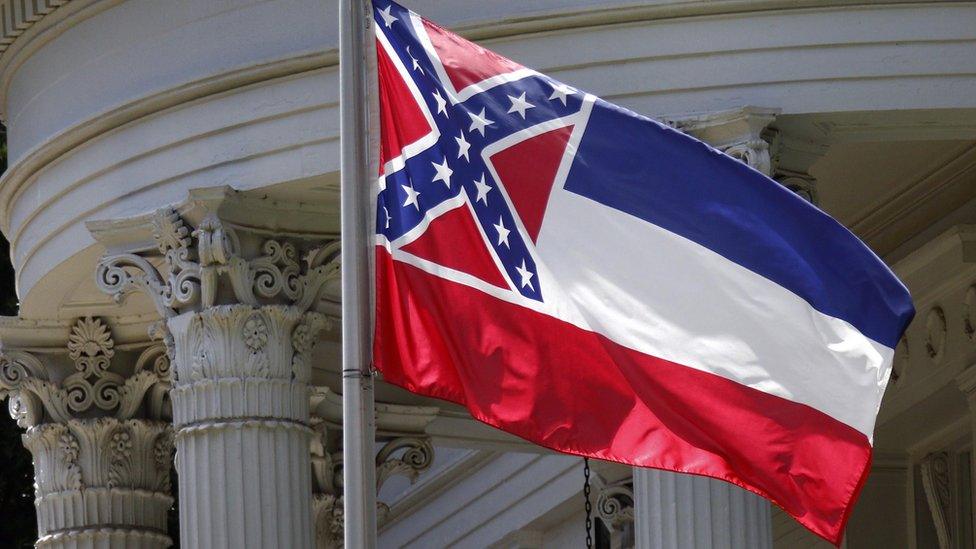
[601, 284]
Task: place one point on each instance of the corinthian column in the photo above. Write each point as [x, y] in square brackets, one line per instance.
[101, 454]
[236, 303]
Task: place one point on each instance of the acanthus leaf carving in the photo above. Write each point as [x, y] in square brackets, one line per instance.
[163, 459]
[92, 387]
[303, 338]
[120, 453]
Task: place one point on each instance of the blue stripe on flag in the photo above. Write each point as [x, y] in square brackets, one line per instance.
[640, 167]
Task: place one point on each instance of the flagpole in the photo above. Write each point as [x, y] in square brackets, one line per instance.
[357, 380]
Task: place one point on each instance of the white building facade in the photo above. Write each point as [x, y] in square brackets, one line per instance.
[171, 202]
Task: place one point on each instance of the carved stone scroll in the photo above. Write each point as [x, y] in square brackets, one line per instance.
[407, 456]
[938, 492]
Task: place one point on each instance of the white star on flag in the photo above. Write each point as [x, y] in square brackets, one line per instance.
[388, 17]
[483, 189]
[520, 105]
[444, 172]
[502, 233]
[386, 213]
[560, 91]
[525, 274]
[441, 103]
[411, 197]
[478, 122]
[416, 65]
[463, 147]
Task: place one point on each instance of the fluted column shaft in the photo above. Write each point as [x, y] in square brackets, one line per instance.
[240, 409]
[685, 511]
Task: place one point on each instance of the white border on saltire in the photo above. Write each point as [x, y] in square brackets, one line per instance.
[469, 91]
[398, 162]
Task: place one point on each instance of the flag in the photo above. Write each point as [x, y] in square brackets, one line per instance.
[603, 285]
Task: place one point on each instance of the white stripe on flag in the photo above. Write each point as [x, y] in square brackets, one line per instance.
[661, 294]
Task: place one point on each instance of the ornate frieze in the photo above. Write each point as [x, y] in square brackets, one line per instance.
[96, 420]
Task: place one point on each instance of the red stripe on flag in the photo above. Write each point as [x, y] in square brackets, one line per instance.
[575, 391]
[401, 120]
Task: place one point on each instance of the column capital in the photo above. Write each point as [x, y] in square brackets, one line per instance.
[739, 133]
[750, 134]
[95, 414]
[241, 283]
[243, 364]
[219, 248]
[85, 377]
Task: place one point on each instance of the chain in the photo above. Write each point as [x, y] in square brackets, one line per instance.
[586, 505]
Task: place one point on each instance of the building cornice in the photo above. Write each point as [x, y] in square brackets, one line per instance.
[40, 31]
[17, 16]
[26, 167]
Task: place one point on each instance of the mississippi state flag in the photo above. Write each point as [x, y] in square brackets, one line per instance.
[603, 285]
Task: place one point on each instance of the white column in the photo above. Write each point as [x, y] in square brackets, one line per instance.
[101, 455]
[675, 511]
[240, 409]
[236, 301]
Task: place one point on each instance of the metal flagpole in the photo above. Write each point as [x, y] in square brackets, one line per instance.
[357, 380]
